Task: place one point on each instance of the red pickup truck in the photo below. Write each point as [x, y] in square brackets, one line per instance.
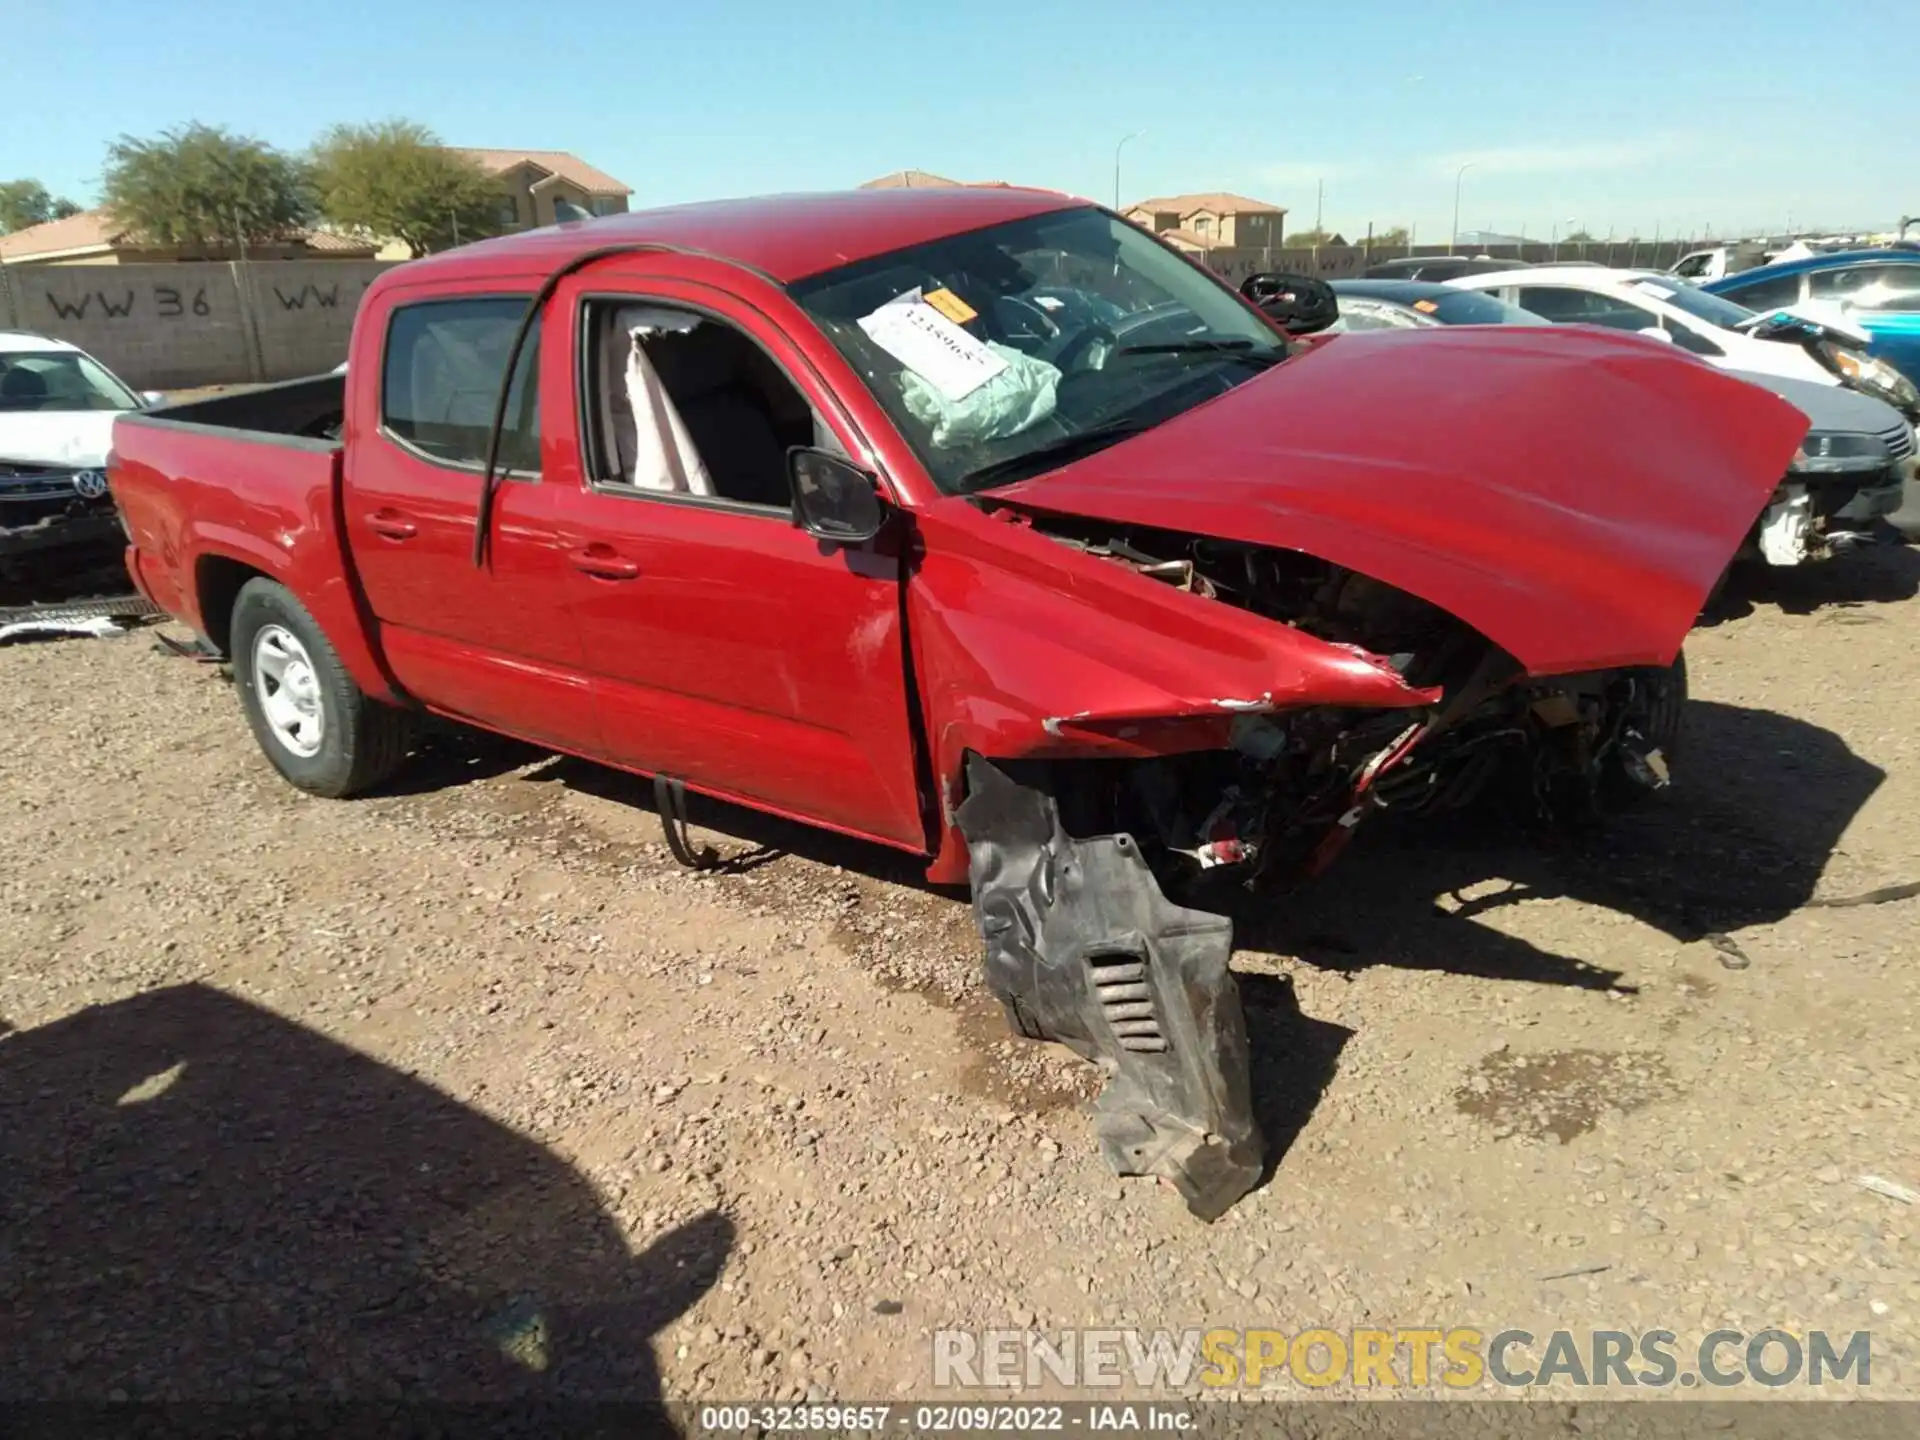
[981, 524]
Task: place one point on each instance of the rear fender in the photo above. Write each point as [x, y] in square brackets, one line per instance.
[313, 570]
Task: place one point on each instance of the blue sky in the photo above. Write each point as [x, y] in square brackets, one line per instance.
[1610, 117]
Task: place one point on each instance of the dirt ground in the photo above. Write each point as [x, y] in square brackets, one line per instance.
[468, 1090]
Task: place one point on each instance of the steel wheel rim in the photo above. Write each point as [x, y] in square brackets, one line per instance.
[288, 688]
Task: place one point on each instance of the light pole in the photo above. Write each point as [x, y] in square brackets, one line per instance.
[1569, 222]
[1461, 174]
[1116, 165]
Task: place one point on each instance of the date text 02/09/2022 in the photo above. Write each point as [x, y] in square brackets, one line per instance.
[944, 1419]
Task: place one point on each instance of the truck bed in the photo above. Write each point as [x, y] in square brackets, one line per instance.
[308, 409]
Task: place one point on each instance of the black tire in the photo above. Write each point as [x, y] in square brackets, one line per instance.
[359, 743]
[1659, 716]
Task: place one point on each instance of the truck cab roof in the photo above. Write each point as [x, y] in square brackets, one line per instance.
[785, 237]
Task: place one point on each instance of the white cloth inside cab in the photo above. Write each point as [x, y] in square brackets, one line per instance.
[664, 457]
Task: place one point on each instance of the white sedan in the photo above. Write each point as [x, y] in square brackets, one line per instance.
[1652, 304]
[1668, 308]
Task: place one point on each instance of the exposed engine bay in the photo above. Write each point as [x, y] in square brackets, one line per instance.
[1568, 747]
[1093, 878]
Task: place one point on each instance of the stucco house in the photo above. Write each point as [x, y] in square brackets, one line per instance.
[1211, 218]
[545, 187]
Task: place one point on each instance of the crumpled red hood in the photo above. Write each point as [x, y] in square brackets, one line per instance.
[1571, 494]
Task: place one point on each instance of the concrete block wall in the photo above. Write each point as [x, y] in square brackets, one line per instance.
[163, 327]
[303, 312]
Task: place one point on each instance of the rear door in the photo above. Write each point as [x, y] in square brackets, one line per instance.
[726, 646]
[494, 644]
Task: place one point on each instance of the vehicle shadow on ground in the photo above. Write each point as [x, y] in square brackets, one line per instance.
[748, 838]
[447, 754]
[203, 1200]
[1877, 575]
[1759, 804]
[1294, 1058]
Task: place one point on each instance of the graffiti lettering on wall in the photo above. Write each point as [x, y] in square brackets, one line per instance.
[321, 297]
[169, 303]
[325, 299]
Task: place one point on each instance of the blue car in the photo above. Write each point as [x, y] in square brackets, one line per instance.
[1878, 290]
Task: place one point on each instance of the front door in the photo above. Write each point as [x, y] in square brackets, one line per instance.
[493, 644]
[726, 646]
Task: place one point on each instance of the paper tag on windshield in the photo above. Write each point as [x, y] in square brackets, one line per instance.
[951, 306]
[932, 346]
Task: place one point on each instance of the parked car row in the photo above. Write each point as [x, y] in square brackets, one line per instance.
[1857, 465]
[1875, 291]
[980, 524]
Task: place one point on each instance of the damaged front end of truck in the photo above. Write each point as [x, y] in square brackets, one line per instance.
[1176, 675]
[1103, 880]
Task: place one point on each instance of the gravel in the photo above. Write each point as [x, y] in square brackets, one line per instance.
[467, 1090]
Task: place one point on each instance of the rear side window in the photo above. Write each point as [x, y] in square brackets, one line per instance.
[442, 376]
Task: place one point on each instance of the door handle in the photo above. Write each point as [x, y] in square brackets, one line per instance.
[392, 524]
[603, 563]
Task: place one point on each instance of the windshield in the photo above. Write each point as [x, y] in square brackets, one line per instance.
[40, 380]
[1714, 309]
[1359, 312]
[1006, 351]
[1469, 307]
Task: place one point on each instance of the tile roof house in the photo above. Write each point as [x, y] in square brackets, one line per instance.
[1212, 218]
[537, 188]
[93, 237]
[923, 180]
[544, 187]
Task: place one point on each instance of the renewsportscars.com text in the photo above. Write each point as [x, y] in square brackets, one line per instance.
[1456, 1358]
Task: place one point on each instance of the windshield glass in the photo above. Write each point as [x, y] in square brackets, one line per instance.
[1713, 309]
[1006, 351]
[1469, 307]
[1364, 313]
[59, 380]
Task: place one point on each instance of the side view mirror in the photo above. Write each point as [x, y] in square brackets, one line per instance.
[152, 397]
[1655, 332]
[1298, 304]
[834, 499]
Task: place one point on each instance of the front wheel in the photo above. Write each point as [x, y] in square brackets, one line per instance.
[1647, 744]
[321, 731]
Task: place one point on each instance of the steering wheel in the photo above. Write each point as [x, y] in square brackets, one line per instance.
[1021, 319]
[1068, 356]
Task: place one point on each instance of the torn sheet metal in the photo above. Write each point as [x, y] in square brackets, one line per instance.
[1786, 527]
[96, 618]
[98, 627]
[1083, 947]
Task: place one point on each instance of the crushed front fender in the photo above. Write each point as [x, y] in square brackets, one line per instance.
[1083, 947]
